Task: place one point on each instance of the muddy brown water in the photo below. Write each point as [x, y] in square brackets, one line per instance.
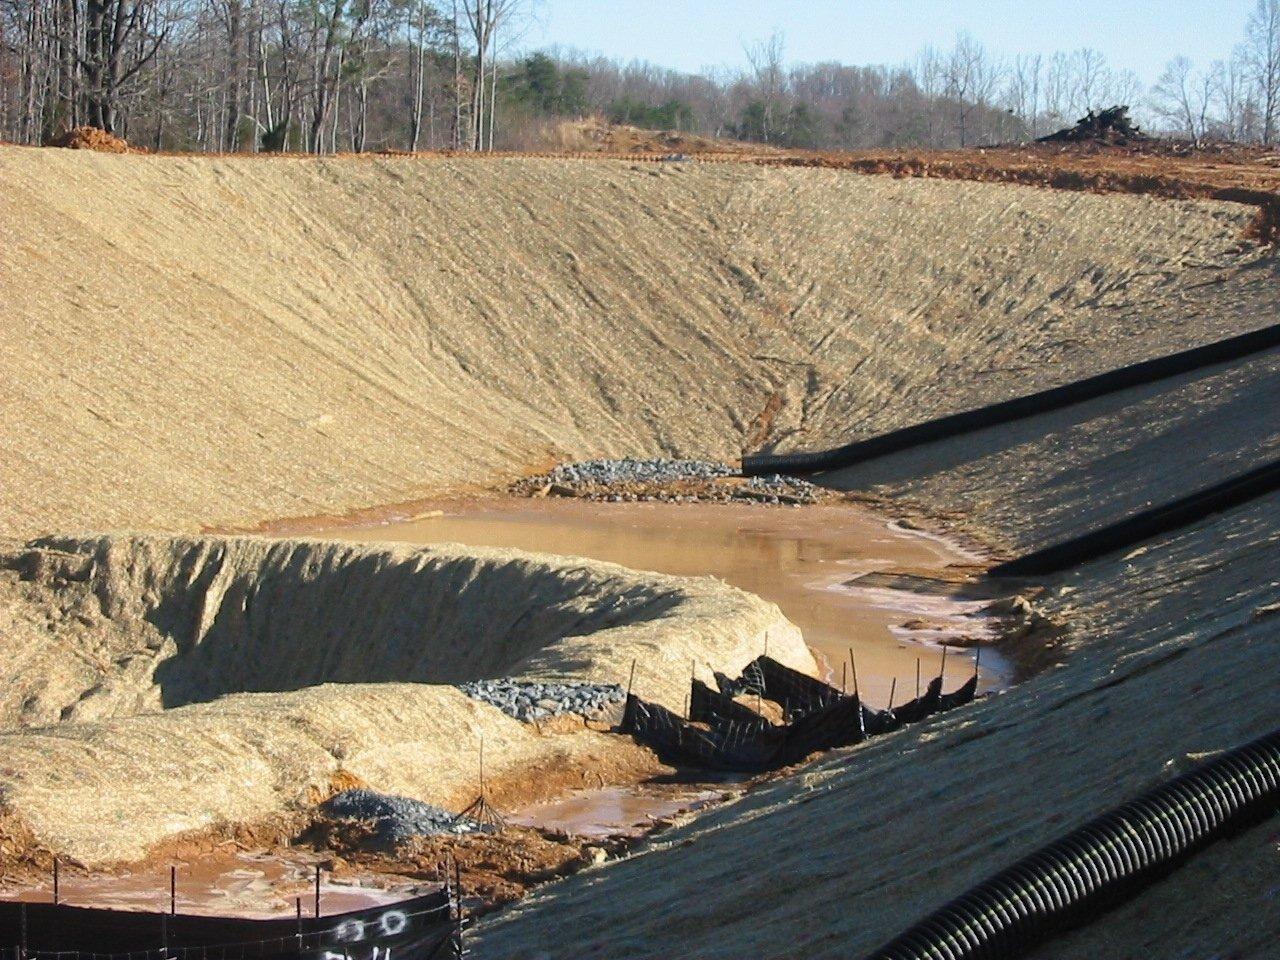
[807, 560]
[237, 884]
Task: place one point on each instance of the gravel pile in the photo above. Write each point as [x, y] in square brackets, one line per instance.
[628, 470]
[529, 701]
[783, 489]
[397, 819]
[672, 481]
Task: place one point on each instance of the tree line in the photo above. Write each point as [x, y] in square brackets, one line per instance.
[353, 75]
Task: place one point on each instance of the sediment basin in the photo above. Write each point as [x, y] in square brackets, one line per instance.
[807, 560]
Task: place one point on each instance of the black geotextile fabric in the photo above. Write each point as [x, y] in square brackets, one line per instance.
[712, 706]
[423, 927]
[723, 733]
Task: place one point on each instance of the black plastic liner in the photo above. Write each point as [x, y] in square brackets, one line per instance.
[424, 928]
[1043, 401]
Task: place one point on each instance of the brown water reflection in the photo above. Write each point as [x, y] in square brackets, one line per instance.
[800, 558]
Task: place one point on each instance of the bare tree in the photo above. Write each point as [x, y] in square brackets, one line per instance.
[971, 79]
[765, 58]
[1024, 90]
[1262, 54]
[1234, 104]
[120, 38]
[1182, 96]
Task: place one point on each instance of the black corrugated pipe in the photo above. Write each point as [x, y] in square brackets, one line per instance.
[1102, 862]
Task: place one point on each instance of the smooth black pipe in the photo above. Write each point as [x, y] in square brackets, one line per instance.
[1043, 401]
[1144, 525]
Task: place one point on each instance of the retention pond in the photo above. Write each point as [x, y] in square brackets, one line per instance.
[823, 565]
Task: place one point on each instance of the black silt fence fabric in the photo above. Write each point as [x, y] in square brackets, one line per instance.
[1145, 524]
[422, 926]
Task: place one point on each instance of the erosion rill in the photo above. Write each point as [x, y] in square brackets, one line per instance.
[214, 343]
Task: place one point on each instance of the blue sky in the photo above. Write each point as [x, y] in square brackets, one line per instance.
[1136, 34]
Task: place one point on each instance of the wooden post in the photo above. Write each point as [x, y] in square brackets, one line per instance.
[56, 890]
[173, 890]
[853, 668]
[297, 903]
[844, 676]
[317, 890]
[893, 689]
[942, 672]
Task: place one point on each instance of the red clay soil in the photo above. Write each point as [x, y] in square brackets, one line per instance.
[90, 138]
[1163, 168]
[1231, 173]
[495, 869]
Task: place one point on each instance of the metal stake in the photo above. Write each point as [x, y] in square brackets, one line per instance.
[317, 890]
[853, 668]
[893, 689]
[56, 893]
[173, 890]
[457, 877]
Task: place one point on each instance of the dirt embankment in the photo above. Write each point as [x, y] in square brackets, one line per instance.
[219, 341]
[161, 685]
[1169, 657]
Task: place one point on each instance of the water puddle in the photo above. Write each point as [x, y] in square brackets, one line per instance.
[842, 574]
[808, 560]
[231, 885]
[614, 811]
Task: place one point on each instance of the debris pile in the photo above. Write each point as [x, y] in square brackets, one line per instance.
[90, 138]
[1111, 127]
[631, 480]
[530, 701]
[396, 819]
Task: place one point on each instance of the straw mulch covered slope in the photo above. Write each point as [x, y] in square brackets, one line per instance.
[192, 341]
